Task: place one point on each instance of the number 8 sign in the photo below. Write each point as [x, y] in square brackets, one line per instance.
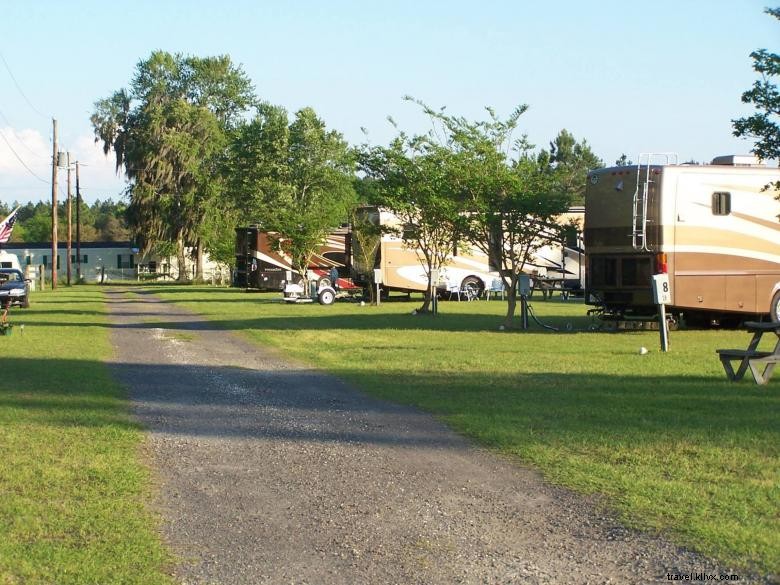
[662, 292]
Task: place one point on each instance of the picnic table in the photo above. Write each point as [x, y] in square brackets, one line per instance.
[760, 363]
[548, 285]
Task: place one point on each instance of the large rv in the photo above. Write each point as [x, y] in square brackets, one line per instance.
[713, 229]
[263, 264]
[402, 267]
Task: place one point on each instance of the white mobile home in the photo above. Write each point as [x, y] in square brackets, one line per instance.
[101, 261]
[115, 259]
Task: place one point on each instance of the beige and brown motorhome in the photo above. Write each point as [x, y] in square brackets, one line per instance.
[713, 228]
[402, 267]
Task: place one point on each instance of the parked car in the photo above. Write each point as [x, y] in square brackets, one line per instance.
[14, 288]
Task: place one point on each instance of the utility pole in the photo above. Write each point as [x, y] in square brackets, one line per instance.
[70, 225]
[54, 163]
[78, 225]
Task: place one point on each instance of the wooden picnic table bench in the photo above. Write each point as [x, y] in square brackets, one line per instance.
[548, 285]
[760, 363]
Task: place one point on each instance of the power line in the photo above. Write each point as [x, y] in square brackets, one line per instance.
[29, 103]
[30, 150]
[29, 170]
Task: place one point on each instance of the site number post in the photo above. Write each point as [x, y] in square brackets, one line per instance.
[662, 296]
[378, 281]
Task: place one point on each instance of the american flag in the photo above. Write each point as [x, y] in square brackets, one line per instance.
[7, 226]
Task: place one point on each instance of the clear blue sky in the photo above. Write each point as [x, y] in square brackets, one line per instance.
[628, 77]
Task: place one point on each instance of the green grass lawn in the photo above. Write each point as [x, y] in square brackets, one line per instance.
[671, 444]
[73, 492]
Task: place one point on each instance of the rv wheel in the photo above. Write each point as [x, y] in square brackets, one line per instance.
[774, 309]
[472, 286]
[327, 296]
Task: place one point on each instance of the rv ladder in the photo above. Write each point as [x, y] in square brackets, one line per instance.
[639, 208]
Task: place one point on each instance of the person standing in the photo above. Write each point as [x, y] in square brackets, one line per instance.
[334, 278]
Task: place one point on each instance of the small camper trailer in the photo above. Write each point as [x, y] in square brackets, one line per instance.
[713, 228]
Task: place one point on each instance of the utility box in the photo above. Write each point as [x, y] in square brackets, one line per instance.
[524, 285]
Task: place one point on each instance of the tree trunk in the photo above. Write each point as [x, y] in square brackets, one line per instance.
[181, 261]
[199, 262]
[511, 304]
[426, 306]
[302, 268]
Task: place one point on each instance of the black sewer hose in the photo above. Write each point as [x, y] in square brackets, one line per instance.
[533, 316]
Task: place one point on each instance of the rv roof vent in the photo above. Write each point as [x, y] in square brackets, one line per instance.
[737, 160]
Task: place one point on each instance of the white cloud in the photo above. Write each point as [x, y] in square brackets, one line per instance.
[22, 153]
[98, 176]
[25, 167]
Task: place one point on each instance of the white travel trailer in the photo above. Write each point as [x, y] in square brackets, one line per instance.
[402, 268]
[713, 228]
[9, 260]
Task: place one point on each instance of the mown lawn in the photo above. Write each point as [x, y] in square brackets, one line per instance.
[672, 445]
[73, 490]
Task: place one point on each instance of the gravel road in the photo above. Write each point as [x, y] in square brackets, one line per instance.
[271, 472]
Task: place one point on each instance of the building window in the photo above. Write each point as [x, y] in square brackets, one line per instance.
[125, 261]
[721, 203]
[27, 260]
[45, 260]
[74, 258]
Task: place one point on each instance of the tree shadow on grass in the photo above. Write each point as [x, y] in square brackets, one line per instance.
[307, 405]
[462, 322]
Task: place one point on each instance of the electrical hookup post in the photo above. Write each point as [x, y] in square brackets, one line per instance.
[378, 282]
[662, 296]
[524, 289]
[434, 291]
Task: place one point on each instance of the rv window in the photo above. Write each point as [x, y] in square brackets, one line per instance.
[604, 271]
[635, 271]
[721, 203]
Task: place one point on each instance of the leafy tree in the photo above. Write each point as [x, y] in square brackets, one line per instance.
[293, 178]
[510, 203]
[256, 164]
[219, 236]
[167, 133]
[764, 125]
[366, 240]
[367, 231]
[413, 177]
[572, 160]
[623, 161]
[34, 223]
[101, 221]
